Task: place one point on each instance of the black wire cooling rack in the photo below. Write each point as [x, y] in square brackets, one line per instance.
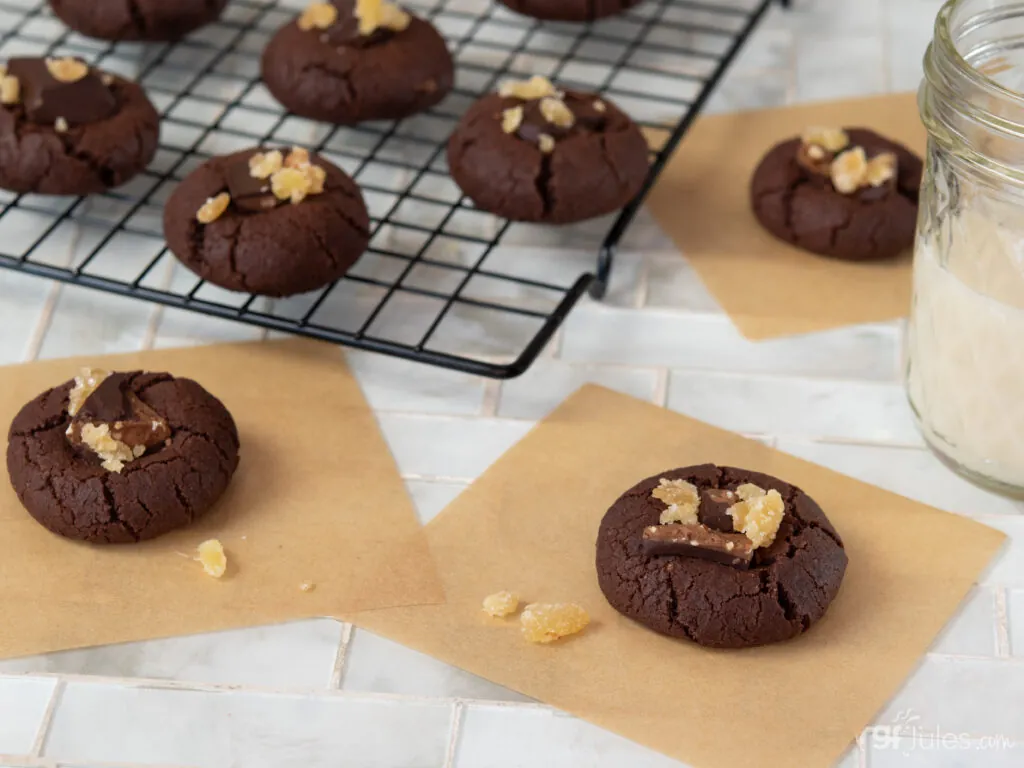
[439, 277]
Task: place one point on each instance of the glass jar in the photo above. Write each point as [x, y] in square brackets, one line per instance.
[965, 342]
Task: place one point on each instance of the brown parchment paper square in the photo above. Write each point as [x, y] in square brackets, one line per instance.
[317, 497]
[702, 202]
[530, 522]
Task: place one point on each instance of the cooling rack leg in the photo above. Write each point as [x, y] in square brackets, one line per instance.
[599, 287]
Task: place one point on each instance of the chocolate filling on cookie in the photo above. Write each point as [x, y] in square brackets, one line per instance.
[264, 179]
[717, 524]
[354, 23]
[543, 115]
[112, 421]
[60, 92]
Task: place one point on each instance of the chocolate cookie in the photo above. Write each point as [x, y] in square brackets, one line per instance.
[725, 557]
[569, 10]
[156, 20]
[121, 457]
[533, 153]
[269, 222]
[346, 61]
[847, 194]
[68, 129]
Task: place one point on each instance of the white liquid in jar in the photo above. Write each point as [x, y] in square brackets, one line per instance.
[966, 374]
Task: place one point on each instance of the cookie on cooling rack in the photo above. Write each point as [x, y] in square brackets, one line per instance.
[849, 194]
[531, 152]
[121, 457]
[156, 20]
[273, 222]
[348, 61]
[569, 10]
[69, 129]
[725, 557]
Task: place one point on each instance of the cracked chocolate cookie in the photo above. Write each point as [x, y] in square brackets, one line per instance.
[156, 20]
[273, 222]
[531, 152]
[69, 129]
[349, 61]
[849, 194]
[121, 457]
[569, 10]
[725, 557]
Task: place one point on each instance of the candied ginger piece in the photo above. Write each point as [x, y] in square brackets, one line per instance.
[682, 500]
[211, 554]
[501, 604]
[759, 514]
[547, 622]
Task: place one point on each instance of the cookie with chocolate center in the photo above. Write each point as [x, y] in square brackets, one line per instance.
[269, 221]
[532, 152]
[725, 557]
[69, 129]
[850, 194]
[349, 61]
[121, 457]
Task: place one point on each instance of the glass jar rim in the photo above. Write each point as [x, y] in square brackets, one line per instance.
[945, 42]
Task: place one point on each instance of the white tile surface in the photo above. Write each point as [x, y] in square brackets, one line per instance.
[297, 655]
[258, 696]
[1015, 610]
[498, 737]
[377, 665]
[548, 382]
[711, 342]
[935, 694]
[106, 723]
[23, 702]
[911, 472]
[448, 448]
[839, 410]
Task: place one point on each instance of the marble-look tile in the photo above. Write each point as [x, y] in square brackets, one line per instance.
[740, 92]
[114, 724]
[673, 284]
[908, 28]
[86, 322]
[711, 342]
[23, 702]
[183, 328]
[297, 655]
[813, 18]
[448, 447]
[548, 382]
[948, 750]
[972, 631]
[836, 66]
[832, 409]
[20, 311]
[1008, 568]
[386, 383]
[934, 695]
[375, 664]
[430, 497]
[912, 472]
[506, 737]
[1015, 617]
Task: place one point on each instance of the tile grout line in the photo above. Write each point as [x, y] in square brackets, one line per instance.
[491, 398]
[1002, 612]
[39, 743]
[453, 734]
[341, 656]
[42, 327]
[661, 387]
[862, 752]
